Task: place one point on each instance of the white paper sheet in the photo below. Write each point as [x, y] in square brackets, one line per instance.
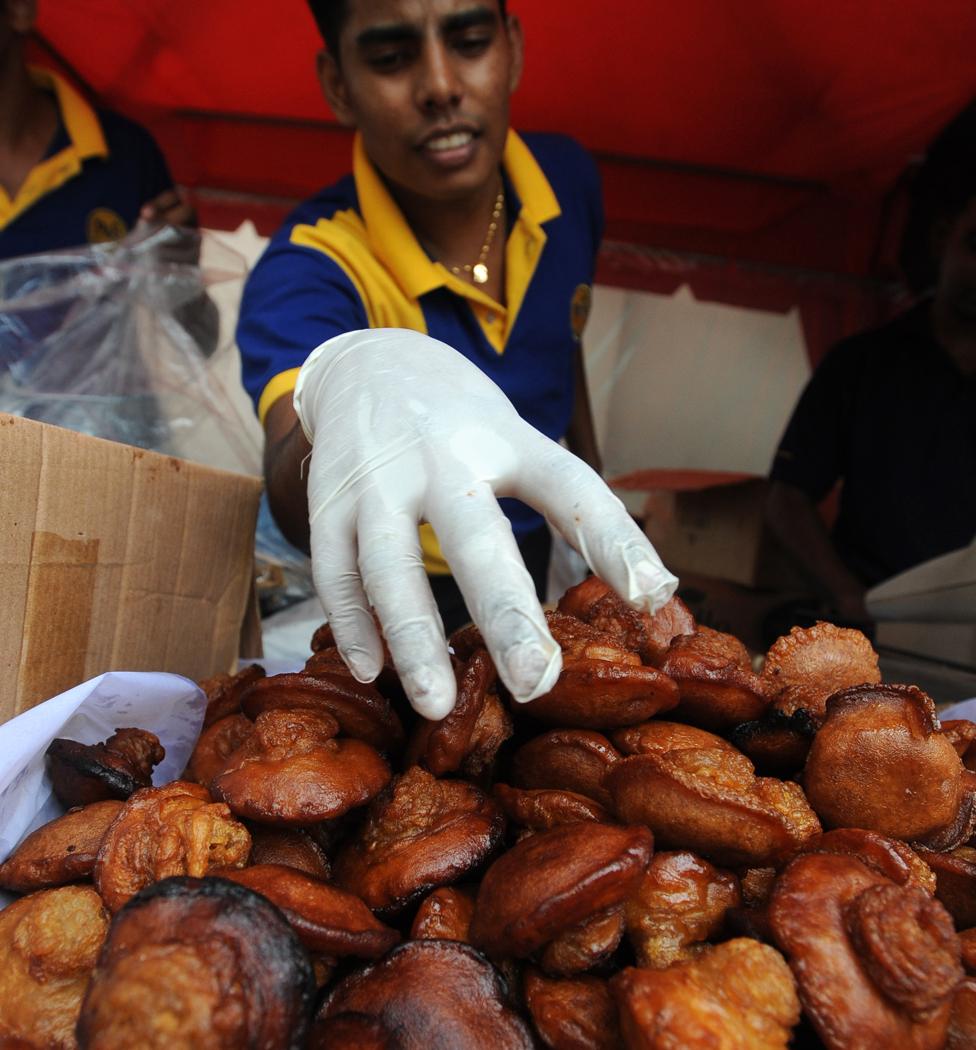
[942, 590]
[168, 705]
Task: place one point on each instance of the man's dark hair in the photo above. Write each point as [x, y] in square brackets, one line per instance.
[330, 16]
[939, 193]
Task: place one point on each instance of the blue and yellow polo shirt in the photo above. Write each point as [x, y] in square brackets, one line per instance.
[347, 260]
[98, 172]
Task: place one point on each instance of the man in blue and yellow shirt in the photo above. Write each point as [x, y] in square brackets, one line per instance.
[69, 175]
[450, 224]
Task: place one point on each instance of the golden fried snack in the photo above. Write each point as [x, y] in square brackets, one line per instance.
[709, 801]
[444, 915]
[430, 994]
[215, 745]
[889, 857]
[468, 738]
[601, 684]
[955, 878]
[566, 759]
[546, 808]
[325, 918]
[61, 851]
[961, 733]
[876, 963]
[420, 834]
[553, 881]
[803, 668]
[198, 964]
[594, 602]
[49, 942]
[293, 847]
[224, 692]
[880, 762]
[164, 831]
[659, 736]
[359, 708]
[351, 1031]
[716, 683]
[83, 773]
[584, 947]
[291, 770]
[679, 903]
[962, 1020]
[739, 995]
[572, 1014]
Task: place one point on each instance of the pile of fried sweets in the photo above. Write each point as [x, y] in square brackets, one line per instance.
[669, 850]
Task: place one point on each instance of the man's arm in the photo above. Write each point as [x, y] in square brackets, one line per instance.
[286, 451]
[581, 435]
[794, 520]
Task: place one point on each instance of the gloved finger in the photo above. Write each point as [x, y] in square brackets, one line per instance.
[393, 574]
[335, 573]
[477, 542]
[579, 504]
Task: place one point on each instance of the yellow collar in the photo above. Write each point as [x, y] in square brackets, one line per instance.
[394, 243]
[79, 118]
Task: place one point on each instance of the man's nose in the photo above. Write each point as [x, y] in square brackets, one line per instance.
[439, 86]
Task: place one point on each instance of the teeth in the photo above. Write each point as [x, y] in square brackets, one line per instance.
[446, 142]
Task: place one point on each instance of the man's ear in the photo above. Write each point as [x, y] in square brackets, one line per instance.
[516, 45]
[333, 86]
[21, 15]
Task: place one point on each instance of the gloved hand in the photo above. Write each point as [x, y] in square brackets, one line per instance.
[405, 429]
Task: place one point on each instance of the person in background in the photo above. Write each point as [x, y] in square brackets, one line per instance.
[445, 284]
[891, 413]
[70, 175]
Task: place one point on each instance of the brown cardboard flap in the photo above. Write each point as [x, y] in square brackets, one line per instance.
[113, 558]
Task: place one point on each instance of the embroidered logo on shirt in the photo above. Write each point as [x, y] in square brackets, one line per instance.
[103, 224]
[579, 309]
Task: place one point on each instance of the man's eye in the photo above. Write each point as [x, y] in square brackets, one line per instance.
[389, 60]
[473, 44]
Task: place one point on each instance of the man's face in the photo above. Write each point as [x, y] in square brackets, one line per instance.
[956, 289]
[427, 83]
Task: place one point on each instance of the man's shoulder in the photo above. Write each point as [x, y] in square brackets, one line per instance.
[906, 333]
[123, 134]
[559, 156]
[323, 206]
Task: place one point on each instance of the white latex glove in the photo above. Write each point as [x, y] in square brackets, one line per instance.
[405, 429]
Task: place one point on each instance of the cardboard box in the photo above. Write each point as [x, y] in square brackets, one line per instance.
[710, 523]
[114, 558]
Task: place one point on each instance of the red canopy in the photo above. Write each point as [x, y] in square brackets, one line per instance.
[761, 131]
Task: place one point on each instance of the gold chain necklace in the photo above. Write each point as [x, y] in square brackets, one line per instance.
[478, 271]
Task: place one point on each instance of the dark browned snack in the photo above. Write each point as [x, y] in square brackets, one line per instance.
[444, 915]
[659, 736]
[955, 878]
[889, 857]
[420, 834]
[777, 744]
[198, 964]
[432, 993]
[567, 759]
[224, 692]
[756, 886]
[739, 995]
[709, 801]
[572, 1014]
[325, 918]
[962, 1021]
[716, 683]
[84, 773]
[553, 881]
[680, 903]
[584, 947]
[215, 745]
[880, 762]
[803, 668]
[327, 685]
[293, 847]
[601, 684]
[351, 1031]
[467, 739]
[171, 830]
[597, 604]
[876, 964]
[61, 851]
[546, 808]
[291, 770]
[324, 653]
[49, 942]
